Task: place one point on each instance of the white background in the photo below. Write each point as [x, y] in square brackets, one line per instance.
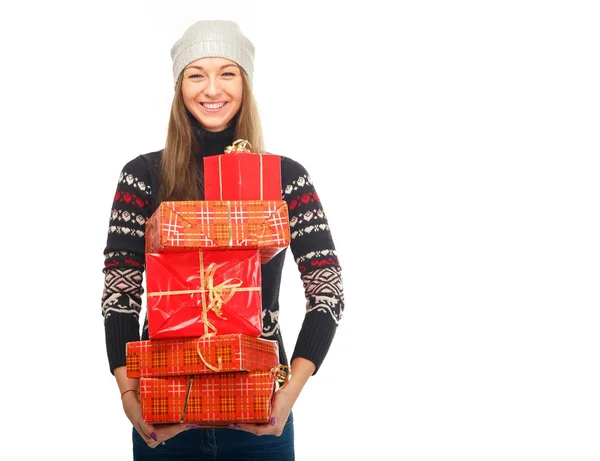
[455, 148]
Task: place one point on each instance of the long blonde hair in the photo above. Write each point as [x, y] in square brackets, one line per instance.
[180, 173]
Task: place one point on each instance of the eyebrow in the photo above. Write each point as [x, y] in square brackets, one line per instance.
[220, 68]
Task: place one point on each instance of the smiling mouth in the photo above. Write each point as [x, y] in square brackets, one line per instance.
[213, 106]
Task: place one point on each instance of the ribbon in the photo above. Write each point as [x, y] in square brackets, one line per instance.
[240, 146]
[281, 373]
[187, 397]
[217, 296]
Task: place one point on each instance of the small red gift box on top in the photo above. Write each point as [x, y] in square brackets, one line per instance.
[219, 225]
[241, 174]
[192, 356]
[202, 293]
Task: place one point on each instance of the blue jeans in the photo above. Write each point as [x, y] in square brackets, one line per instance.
[219, 445]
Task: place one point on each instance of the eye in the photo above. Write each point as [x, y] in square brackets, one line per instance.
[229, 74]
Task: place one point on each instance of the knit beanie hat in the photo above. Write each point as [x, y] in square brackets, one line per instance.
[216, 39]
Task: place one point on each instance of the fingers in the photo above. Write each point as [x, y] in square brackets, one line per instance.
[158, 435]
[153, 444]
[148, 433]
[270, 428]
[167, 431]
[133, 410]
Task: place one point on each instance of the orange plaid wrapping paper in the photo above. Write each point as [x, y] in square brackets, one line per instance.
[219, 224]
[188, 356]
[215, 399]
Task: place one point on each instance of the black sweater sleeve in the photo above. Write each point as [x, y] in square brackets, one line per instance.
[125, 259]
[314, 252]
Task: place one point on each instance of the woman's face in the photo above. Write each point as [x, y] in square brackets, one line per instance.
[212, 91]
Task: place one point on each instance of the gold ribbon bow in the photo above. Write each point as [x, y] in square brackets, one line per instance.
[281, 373]
[239, 146]
[217, 296]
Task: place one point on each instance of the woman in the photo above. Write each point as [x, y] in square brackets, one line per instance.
[213, 105]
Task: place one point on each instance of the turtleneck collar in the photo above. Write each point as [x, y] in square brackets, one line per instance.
[213, 143]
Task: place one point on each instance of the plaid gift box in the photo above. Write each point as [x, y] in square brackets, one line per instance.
[213, 399]
[193, 356]
[198, 293]
[242, 175]
[217, 225]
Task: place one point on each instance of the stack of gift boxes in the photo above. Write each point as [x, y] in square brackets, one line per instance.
[204, 362]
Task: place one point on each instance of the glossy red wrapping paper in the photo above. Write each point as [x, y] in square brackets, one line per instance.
[203, 293]
[242, 176]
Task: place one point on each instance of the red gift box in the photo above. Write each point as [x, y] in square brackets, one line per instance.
[219, 225]
[203, 293]
[242, 175]
[211, 399]
[193, 356]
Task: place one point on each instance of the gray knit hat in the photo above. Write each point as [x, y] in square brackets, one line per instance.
[216, 39]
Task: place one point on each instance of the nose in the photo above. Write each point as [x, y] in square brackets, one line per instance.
[212, 88]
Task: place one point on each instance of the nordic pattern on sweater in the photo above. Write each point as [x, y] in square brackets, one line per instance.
[311, 245]
[321, 273]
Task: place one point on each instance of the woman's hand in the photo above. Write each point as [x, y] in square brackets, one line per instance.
[152, 435]
[283, 400]
[133, 410]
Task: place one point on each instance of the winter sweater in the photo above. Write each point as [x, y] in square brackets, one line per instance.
[311, 244]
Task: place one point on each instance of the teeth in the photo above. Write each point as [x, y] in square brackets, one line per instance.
[217, 105]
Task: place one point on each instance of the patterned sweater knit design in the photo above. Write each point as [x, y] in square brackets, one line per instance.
[312, 247]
